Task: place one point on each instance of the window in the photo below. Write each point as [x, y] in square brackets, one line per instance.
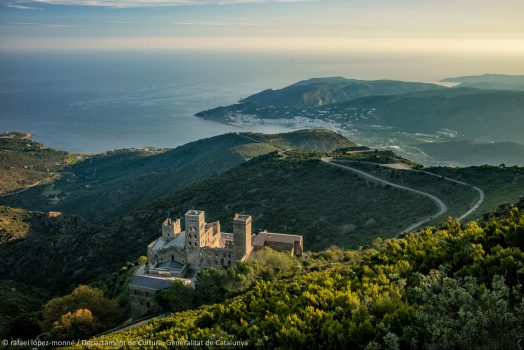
[148, 304]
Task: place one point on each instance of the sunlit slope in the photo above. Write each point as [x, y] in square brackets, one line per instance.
[105, 185]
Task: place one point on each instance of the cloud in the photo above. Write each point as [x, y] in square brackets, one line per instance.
[125, 22]
[53, 25]
[25, 4]
[19, 5]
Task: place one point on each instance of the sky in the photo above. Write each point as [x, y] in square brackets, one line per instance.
[484, 27]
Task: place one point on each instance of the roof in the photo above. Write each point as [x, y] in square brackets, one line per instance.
[170, 265]
[242, 217]
[178, 241]
[263, 237]
[194, 212]
[149, 282]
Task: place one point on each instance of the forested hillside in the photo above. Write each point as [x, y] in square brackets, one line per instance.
[475, 114]
[292, 193]
[105, 185]
[455, 286]
[322, 91]
[303, 196]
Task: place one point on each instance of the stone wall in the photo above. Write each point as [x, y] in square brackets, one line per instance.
[142, 301]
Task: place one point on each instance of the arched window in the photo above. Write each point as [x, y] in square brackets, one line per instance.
[172, 258]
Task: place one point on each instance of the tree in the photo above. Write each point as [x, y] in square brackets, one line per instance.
[61, 316]
[75, 325]
[268, 264]
[176, 297]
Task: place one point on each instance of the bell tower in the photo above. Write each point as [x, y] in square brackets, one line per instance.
[195, 228]
[242, 235]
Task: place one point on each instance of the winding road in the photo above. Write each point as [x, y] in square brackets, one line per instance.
[443, 208]
[475, 206]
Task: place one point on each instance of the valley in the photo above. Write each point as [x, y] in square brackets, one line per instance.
[261, 174]
[314, 183]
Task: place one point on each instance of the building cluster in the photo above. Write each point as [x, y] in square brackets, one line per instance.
[181, 254]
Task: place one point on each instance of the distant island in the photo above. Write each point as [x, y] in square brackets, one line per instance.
[490, 81]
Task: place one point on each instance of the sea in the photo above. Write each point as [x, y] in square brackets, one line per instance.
[92, 102]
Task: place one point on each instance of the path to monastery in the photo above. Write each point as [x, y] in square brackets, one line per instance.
[443, 208]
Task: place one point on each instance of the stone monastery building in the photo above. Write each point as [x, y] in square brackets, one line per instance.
[181, 254]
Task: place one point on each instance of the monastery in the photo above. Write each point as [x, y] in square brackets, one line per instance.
[181, 254]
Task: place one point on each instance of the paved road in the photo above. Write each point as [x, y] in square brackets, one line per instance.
[470, 211]
[443, 208]
[475, 206]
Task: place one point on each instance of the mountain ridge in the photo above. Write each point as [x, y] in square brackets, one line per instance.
[105, 185]
[322, 91]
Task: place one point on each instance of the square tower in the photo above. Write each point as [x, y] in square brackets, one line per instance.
[195, 228]
[170, 228]
[242, 235]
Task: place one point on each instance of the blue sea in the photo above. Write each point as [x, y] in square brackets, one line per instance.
[96, 101]
[93, 102]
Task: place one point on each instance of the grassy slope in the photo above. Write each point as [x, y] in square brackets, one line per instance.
[24, 162]
[457, 197]
[105, 185]
[467, 153]
[501, 185]
[14, 223]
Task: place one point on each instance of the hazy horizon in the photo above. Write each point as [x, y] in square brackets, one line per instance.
[114, 73]
[447, 29]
